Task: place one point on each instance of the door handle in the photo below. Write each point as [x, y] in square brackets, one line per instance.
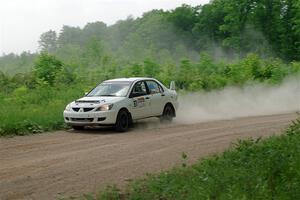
[163, 95]
[147, 98]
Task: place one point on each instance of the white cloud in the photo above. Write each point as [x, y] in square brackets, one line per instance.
[22, 22]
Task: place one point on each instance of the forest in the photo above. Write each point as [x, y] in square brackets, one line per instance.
[203, 48]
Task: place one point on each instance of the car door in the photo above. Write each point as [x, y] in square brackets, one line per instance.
[157, 97]
[140, 101]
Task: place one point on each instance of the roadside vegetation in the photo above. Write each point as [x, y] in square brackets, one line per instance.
[251, 169]
[34, 102]
[206, 47]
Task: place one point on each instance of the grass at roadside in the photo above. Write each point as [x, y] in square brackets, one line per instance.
[251, 169]
[33, 111]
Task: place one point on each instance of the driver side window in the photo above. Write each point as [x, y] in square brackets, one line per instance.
[139, 89]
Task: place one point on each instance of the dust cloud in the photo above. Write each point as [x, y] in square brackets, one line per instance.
[233, 102]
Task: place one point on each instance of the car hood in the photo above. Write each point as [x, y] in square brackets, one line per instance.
[95, 101]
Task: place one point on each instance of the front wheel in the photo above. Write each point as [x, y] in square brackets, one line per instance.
[168, 114]
[122, 122]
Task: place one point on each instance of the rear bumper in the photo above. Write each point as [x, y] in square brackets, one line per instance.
[89, 118]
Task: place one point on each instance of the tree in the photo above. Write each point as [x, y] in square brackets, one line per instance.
[151, 69]
[93, 52]
[70, 35]
[184, 17]
[136, 70]
[47, 67]
[186, 74]
[4, 82]
[296, 28]
[48, 41]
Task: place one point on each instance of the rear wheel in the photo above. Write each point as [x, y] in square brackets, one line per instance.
[122, 122]
[78, 127]
[168, 114]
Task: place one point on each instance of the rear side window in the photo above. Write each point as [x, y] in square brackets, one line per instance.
[154, 87]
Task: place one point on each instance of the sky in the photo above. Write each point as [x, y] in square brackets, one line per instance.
[23, 21]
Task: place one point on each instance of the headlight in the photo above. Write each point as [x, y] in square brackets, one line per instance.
[105, 107]
[68, 107]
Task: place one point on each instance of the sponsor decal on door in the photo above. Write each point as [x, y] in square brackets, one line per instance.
[139, 102]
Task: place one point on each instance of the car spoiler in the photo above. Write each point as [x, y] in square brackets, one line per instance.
[172, 85]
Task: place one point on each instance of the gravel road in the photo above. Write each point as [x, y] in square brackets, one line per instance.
[69, 163]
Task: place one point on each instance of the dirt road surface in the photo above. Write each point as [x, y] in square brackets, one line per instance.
[69, 163]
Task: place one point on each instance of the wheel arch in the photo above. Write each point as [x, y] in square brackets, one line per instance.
[173, 108]
[129, 113]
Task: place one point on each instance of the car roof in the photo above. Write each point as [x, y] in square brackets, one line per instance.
[132, 79]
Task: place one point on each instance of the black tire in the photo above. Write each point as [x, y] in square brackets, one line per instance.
[168, 114]
[78, 127]
[122, 122]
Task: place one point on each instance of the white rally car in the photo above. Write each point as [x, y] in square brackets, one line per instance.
[119, 102]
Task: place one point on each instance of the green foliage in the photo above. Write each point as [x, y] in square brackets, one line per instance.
[39, 98]
[251, 169]
[111, 193]
[151, 69]
[47, 67]
[223, 28]
[21, 128]
[48, 41]
[36, 110]
[184, 17]
[184, 158]
[13, 64]
[241, 26]
[136, 70]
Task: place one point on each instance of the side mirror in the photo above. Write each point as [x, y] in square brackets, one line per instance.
[172, 85]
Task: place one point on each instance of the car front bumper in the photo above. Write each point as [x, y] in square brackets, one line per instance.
[90, 118]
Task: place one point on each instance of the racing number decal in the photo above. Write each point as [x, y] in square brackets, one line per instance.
[139, 102]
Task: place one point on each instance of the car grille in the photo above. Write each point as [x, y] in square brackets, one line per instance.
[82, 119]
[84, 109]
[76, 109]
[87, 109]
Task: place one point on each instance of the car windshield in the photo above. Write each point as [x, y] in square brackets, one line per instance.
[114, 89]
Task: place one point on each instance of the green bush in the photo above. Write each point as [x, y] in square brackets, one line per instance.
[47, 67]
[32, 111]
